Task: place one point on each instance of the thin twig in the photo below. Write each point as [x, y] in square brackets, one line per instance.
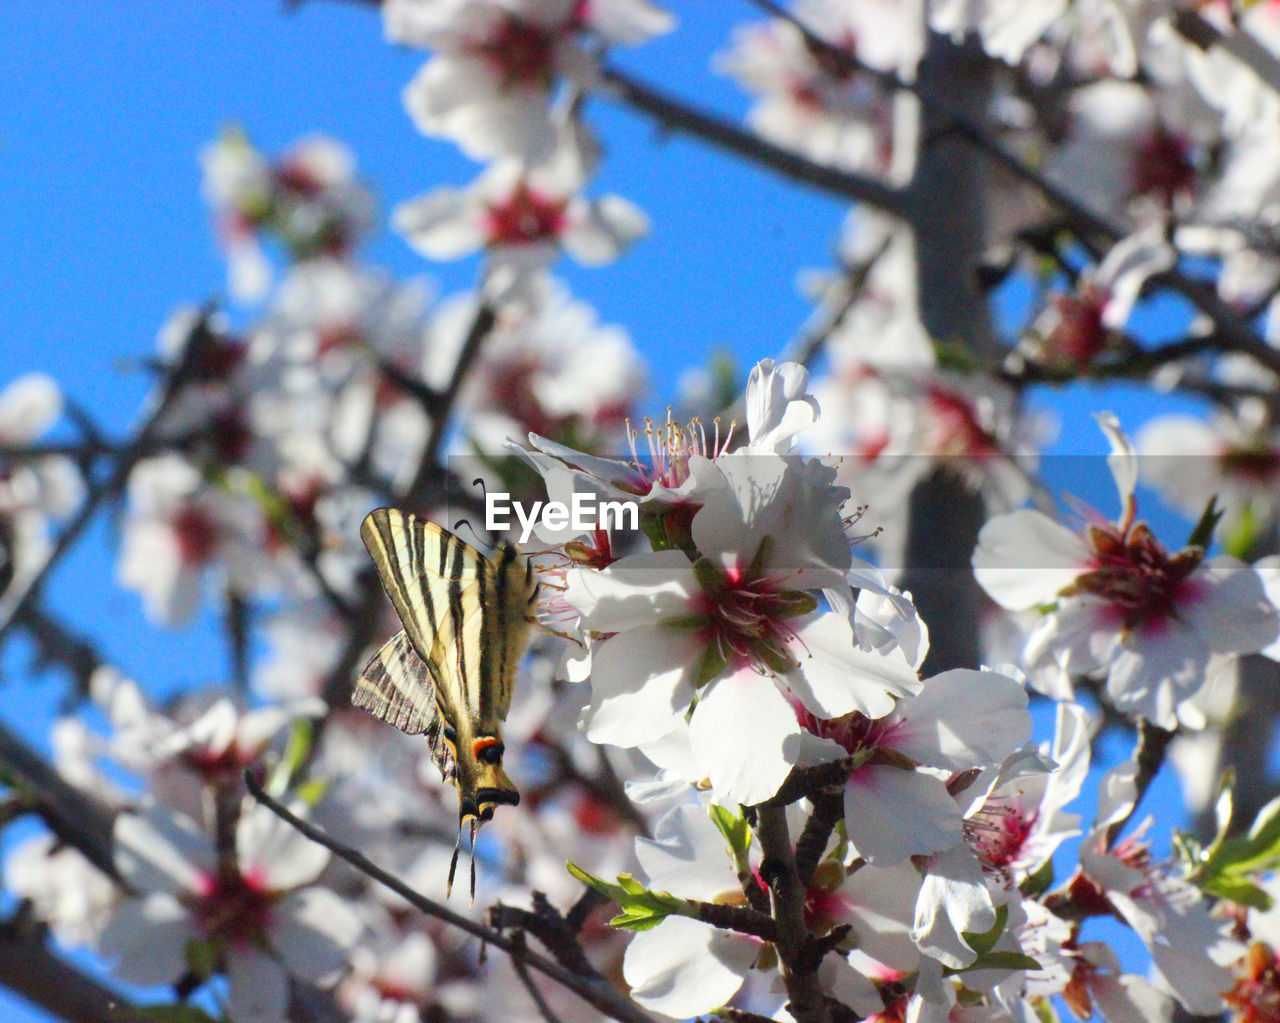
[680, 116]
[600, 995]
[1149, 754]
[114, 484]
[1193, 27]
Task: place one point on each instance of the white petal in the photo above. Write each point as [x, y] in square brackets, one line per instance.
[444, 224]
[834, 675]
[258, 990]
[963, 719]
[892, 814]
[1232, 611]
[148, 939]
[638, 590]
[1024, 559]
[313, 930]
[954, 898]
[1123, 459]
[157, 851]
[28, 407]
[599, 231]
[279, 855]
[641, 683]
[684, 968]
[745, 737]
[687, 856]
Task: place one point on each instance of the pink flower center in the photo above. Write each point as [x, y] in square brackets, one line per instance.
[1258, 464]
[1256, 994]
[1163, 167]
[855, 731]
[998, 834]
[232, 906]
[954, 425]
[525, 217]
[1142, 583]
[197, 535]
[746, 621]
[1079, 336]
[520, 52]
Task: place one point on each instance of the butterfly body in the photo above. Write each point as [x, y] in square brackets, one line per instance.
[449, 674]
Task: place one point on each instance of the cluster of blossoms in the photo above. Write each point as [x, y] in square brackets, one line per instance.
[931, 883]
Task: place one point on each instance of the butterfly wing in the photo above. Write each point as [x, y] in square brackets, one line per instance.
[465, 617]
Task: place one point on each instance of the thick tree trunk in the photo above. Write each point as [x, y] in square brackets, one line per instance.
[947, 211]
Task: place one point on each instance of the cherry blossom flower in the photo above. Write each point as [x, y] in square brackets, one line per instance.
[1189, 948]
[310, 199]
[32, 490]
[953, 722]
[65, 890]
[732, 629]
[534, 374]
[809, 99]
[1121, 603]
[1236, 457]
[259, 913]
[497, 63]
[177, 529]
[522, 217]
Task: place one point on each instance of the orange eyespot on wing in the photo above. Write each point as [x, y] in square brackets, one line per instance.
[487, 750]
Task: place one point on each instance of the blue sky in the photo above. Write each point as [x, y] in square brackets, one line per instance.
[103, 232]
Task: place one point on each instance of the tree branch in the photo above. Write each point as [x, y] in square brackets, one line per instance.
[1194, 28]
[601, 995]
[74, 816]
[787, 894]
[32, 970]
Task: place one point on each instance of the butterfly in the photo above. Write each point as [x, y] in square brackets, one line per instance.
[449, 673]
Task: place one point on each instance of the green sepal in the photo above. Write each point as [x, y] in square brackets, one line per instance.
[1202, 535]
[177, 1013]
[1227, 867]
[983, 942]
[793, 603]
[709, 576]
[712, 666]
[1036, 884]
[201, 958]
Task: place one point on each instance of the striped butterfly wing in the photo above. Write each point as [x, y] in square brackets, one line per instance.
[396, 686]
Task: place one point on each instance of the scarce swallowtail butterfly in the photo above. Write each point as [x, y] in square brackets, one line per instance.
[449, 673]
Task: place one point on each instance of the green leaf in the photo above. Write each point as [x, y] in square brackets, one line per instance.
[1242, 534]
[295, 754]
[1003, 960]
[641, 908]
[1238, 889]
[735, 829]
